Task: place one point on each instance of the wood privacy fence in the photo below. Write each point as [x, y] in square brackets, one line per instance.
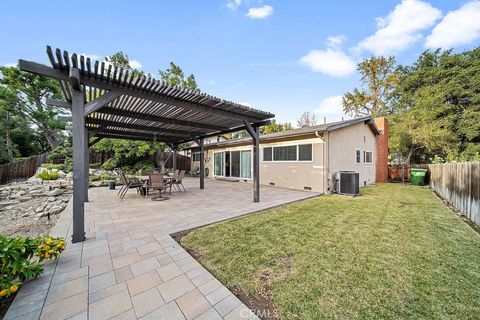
[21, 169]
[183, 162]
[457, 183]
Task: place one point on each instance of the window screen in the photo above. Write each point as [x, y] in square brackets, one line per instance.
[288, 153]
[305, 152]
[267, 154]
[196, 157]
[367, 157]
[358, 158]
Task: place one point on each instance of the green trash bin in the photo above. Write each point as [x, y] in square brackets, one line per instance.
[417, 176]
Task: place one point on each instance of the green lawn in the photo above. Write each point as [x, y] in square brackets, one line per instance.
[395, 252]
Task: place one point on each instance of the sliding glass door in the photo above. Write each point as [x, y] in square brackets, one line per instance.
[218, 163]
[236, 164]
[246, 164]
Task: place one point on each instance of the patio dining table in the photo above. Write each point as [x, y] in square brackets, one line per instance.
[146, 179]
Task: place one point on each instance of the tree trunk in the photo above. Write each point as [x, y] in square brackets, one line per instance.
[8, 139]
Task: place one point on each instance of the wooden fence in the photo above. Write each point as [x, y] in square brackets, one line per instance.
[21, 169]
[183, 162]
[457, 183]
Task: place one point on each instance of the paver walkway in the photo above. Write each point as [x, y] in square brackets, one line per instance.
[130, 267]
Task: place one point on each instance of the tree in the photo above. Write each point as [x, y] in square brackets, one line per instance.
[276, 127]
[438, 107]
[29, 101]
[379, 77]
[174, 76]
[121, 60]
[307, 119]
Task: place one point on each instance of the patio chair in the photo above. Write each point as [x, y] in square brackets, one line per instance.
[128, 184]
[195, 172]
[179, 181]
[157, 182]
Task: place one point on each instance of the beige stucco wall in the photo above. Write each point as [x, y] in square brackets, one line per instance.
[342, 145]
[299, 175]
[337, 153]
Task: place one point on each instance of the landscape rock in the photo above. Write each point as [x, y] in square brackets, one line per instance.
[54, 192]
[55, 209]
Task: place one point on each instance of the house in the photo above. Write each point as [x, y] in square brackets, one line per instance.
[306, 158]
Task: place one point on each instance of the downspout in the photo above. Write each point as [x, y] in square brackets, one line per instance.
[317, 133]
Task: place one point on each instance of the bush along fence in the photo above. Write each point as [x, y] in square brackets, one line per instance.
[457, 183]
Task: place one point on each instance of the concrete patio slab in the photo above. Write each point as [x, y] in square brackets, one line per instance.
[131, 268]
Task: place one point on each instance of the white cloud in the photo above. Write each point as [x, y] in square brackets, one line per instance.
[401, 27]
[233, 4]
[335, 41]
[91, 56]
[260, 12]
[135, 64]
[331, 61]
[331, 108]
[246, 104]
[461, 26]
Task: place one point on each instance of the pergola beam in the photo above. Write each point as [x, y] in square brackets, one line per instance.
[159, 119]
[59, 103]
[101, 101]
[129, 134]
[108, 123]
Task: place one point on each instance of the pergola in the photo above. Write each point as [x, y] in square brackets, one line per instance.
[111, 102]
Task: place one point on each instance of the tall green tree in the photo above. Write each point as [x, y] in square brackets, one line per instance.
[274, 126]
[379, 77]
[438, 107]
[30, 94]
[175, 76]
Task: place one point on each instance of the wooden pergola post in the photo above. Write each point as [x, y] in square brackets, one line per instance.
[87, 166]
[253, 132]
[79, 162]
[202, 163]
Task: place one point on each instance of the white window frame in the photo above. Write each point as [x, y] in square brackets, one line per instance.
[230, 162]
[359, 161]
[364, 157]
[193, 156]
[287, 161]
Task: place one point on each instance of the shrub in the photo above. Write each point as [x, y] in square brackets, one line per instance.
[146, 164]
[48, 175]
[110, 164]
[108, 177]
[94, 178]
[50, 166]
[95, 165]
[20, 260]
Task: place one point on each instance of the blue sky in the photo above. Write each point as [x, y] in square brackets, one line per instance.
[286, 57]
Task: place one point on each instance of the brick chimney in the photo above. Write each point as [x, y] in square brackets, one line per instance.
[381, 170]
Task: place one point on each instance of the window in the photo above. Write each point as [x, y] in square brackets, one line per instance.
[288, 153]
[358, 156]
[367, 157]
[305, 152]
[196, 157]
[302, 152]
[267, 154]
[246, 164]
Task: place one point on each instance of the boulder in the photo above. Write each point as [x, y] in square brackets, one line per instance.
[55, 209]
[69, 176]
[39, 209]
[55, 192]
[7, 203]
[62, 174]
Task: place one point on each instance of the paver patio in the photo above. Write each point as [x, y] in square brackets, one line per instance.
[131, 268]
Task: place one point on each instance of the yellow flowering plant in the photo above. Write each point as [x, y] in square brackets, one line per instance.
[20, 259]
